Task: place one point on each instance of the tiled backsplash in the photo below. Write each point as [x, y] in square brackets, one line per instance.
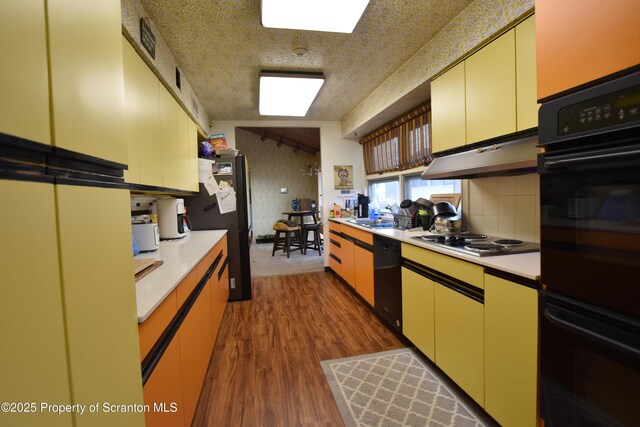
[506, 206]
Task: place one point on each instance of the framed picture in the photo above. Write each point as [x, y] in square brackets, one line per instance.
[343, 177]
[222, 168]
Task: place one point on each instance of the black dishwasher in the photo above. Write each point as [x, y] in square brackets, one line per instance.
[387, 280]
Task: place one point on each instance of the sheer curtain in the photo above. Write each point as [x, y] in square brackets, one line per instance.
[404, 143]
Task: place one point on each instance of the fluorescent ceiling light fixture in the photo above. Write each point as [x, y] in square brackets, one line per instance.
[288, 94]
[338, 16]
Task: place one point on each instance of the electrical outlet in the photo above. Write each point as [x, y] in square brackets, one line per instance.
[232, 283]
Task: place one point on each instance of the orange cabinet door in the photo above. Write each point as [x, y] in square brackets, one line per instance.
[348, 262]
[364, 273]
[163, 390]
[196, 340]
[219, 297]
[578, 41]
[151, 329]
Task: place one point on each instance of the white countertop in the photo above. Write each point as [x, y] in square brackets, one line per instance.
[179, 258]
[524, 265]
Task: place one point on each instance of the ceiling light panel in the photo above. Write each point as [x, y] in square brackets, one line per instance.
[338, 16]
[288, 95]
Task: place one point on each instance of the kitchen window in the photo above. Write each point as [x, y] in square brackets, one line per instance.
[384, 192]
[394, 188]
[415, 187]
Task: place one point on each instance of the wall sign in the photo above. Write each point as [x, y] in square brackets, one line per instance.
[147, 39]
[343, 177]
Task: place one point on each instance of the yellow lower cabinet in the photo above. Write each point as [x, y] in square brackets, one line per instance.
[462, 270]
[100, 302]
[460, 340]
[33, 358]
[418, 308]
[511, 352]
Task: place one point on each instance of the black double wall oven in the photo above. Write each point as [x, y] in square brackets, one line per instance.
[590, 256]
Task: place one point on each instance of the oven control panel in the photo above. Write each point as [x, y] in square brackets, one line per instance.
[603, 112]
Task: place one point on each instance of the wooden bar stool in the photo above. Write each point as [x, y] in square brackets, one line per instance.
[286, 243]
[316, 241]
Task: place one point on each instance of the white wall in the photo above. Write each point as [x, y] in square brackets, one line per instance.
[334, 150]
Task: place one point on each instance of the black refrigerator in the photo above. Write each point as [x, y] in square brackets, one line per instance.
[204, 211]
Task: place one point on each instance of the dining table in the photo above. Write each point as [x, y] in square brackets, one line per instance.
[301, 215]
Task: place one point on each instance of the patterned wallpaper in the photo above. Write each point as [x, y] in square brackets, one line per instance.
[165, 64]
[473, 27]
[271, 168]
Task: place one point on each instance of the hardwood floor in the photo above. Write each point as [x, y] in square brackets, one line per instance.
[265, 369]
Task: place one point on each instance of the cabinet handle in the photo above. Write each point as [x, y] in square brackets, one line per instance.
[586, 159]
[593, 329]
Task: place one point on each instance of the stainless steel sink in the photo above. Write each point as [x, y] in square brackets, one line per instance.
[373, 223]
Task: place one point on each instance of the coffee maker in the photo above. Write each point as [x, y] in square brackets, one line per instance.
[363, 206]
[172, 218]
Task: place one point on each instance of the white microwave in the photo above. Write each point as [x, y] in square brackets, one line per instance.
[147, 236]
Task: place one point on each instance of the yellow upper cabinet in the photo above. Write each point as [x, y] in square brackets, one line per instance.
[184, 161]
[141, 121]
[448, 109]
[491, 90]
[161, 139]
[24, 104]
[131, 106]
[526, 95]
[168, 137]
[87, 87]
[490, 94]
[192, 141]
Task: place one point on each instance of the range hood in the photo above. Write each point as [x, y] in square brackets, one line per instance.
[513, 157]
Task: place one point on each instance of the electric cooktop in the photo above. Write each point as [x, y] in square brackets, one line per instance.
[479, 244]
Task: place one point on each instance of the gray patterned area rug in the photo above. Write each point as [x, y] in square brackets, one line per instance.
[394, 389]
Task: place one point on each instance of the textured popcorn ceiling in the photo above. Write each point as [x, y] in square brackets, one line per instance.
[221, 47]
